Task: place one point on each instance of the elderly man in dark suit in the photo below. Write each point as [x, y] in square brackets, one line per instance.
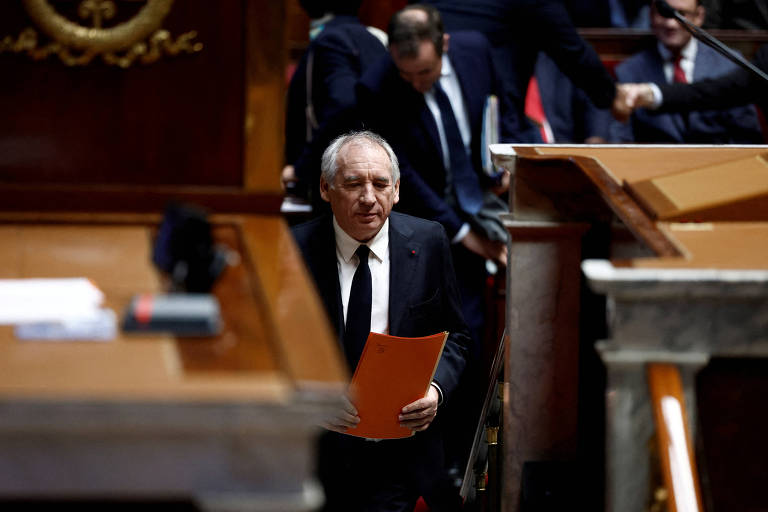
[405, 263]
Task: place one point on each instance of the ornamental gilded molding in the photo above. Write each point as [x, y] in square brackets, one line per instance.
[140, 38]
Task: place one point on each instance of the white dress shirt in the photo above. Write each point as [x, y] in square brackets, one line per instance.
[687, 60]
[378, 261]
[450, 85]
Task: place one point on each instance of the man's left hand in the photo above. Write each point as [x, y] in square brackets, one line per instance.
[503, 183]
[418, 415]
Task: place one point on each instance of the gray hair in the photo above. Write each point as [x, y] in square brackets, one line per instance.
[330, 165]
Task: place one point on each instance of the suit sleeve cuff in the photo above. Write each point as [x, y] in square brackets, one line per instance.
[658, 98]
[460, 234]
[439, 392]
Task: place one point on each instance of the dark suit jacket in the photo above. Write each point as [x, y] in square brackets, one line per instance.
[737, 125]
[519, 29]
[738, 87]
[341, 53]
[570, 113]
[390, 106]
[423, 298]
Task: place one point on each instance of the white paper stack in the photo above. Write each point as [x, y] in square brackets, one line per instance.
[57, 308]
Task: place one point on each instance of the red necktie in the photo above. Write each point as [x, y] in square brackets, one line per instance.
[534, 110]
[678, 74]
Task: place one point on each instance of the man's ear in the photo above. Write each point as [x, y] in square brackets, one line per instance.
[324, 189]
[446, 41]
[701, 15]
[397, 192]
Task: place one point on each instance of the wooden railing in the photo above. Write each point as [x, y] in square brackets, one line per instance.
[481, 488]
[675, 448]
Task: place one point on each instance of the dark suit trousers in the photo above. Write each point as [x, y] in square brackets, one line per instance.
[463, 409]
[388, 475]
[470, 277]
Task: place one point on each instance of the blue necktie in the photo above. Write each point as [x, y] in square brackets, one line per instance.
[463, 175]
[358, 323]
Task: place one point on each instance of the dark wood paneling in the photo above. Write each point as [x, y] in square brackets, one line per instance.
[121, 198]
[265, 95]
[733, 424]
[616, 44]
[177, 121]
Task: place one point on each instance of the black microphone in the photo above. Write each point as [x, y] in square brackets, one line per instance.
[665, 10]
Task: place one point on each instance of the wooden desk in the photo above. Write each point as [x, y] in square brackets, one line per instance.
[227, 421]
[676, 292]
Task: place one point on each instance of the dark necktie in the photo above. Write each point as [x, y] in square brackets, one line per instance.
[358, 323]
[678, 74]
[464, 177]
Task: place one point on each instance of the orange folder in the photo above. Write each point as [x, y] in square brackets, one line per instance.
[392, 372]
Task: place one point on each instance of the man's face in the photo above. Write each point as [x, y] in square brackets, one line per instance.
[669, 31]
[423, 70]
[362, 195]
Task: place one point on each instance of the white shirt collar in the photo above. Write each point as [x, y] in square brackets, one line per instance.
[447, 68]
[347, 245]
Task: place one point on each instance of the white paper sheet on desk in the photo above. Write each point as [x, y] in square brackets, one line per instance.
[100, 325]
[48, 300]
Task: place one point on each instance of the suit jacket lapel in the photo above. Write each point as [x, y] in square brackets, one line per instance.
[704, 64]
[413, 102]
[404, 257]
[473, 103]
[656, 70]
[327, 276]
[430, 125]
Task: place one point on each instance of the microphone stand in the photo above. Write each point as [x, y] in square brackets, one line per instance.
[667, 11]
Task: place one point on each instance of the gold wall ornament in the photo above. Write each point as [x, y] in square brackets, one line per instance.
[140, 37]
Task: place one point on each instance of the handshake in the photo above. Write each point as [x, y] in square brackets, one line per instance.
[630, 97]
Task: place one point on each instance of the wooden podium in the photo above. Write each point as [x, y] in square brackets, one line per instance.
[115, 110]
[675, 239]
[226, 421]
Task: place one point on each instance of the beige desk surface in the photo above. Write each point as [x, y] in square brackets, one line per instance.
[266, 299]
[646, 162]
[726, 245]
[736, 245]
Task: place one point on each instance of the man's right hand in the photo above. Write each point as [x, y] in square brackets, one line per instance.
[496, 251]
[343, 419]
[288, 176]
[630, 97]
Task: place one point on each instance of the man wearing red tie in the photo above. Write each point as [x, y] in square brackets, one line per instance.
[679, 58]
